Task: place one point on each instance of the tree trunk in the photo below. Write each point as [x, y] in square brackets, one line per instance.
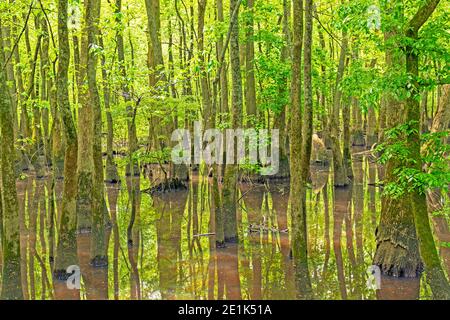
[66, 253]
[112, 175]
[220, 107]
[11, 279]
[427, 247]
[299, 147]
[100, 214]
[231, 170]
[339, 167]
[206, 96]
[397, 252]
[250, 93]
[85, 164]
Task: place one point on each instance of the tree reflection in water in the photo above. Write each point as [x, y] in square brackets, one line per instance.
[162, 246]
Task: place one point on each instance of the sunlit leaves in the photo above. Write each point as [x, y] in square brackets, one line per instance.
[434, 157]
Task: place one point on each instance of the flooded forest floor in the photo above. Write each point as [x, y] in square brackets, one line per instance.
[174, 255]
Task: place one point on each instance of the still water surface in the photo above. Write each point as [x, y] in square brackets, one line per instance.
[174, 256]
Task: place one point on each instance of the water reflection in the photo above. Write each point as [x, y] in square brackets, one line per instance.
[162, 246]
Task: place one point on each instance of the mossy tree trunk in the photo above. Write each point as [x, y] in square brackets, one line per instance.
[112, 175]
[397, 252]
[435, 273]
[100, 214]
[250, 92]
[10, 236]
[231, 170]
[300, 143]
[339, 167]
[85, 164]
[220, 107]
[66, 253]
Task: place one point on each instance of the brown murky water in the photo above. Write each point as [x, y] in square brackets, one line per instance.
[174, 257]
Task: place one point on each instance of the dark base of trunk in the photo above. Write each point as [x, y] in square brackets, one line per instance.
[112, 181]
[40, 167]
[358, 139]
[23, 164]
[99, 262]
[323, 162]
[394, 261]
[171, 185]
[84, 230]
[181, 172]
[341, 185]
[136, 171]
[112, 175]
[58, 169]
[128, 174]
[220, 245]
[233, 239]
[61, 275]
[282, 174]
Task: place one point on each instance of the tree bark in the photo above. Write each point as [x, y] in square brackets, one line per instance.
[339, 168]
[66, 253]
[250, 93]
[11, 279]
[231, 170]
[427, 247]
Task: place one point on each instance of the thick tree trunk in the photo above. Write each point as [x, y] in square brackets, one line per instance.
[11, 279]
[427, 247]
[397, 252]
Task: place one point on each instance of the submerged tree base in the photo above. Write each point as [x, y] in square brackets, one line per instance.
[395, 261]
[170, 185]
[234, 239]
[61, 275]
[99, 262]
[220, 245]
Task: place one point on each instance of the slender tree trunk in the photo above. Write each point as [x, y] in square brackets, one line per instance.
[66, 253]
[206, 96]
[112, 175]
[220, 107]
[100, 214]
[339, 168]
[85, 163]
[250, 92]
[231, 170]
[300, 146]
[281, 119]
[357, 120]
[347, 154]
